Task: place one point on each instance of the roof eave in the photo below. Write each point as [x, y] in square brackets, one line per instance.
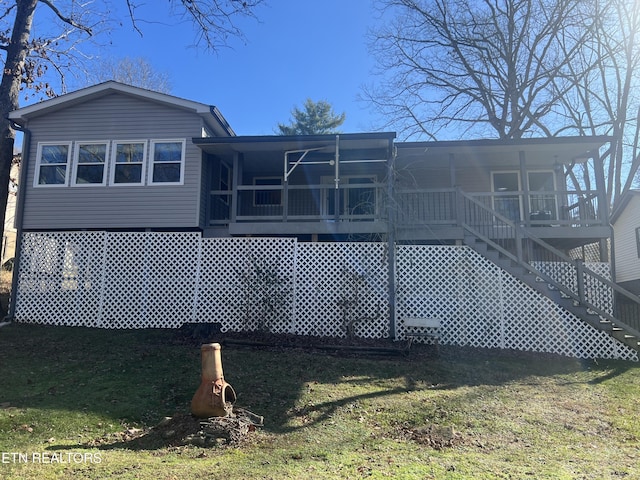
[22, 115]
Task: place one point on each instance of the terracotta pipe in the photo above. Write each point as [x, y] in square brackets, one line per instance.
[214, 397]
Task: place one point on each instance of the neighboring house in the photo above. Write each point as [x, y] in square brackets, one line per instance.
[115, 158]
[626, 240]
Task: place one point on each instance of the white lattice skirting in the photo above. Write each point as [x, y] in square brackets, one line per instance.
[163, 280]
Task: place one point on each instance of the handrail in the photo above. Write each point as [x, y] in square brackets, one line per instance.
[501, 228]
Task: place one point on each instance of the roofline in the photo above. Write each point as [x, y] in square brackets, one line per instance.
[624, 201]
[22, 115]
[294, 138]
[506, 142]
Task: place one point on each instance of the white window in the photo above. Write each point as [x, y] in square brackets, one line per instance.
[52, 164]
[90, 164]
[128, 162]
[167, 162]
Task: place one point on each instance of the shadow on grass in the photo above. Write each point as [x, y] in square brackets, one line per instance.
[139, 377]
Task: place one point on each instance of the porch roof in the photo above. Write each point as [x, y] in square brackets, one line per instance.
[283, 143]
[537, 151]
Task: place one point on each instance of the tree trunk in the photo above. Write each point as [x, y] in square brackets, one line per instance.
[16, 53]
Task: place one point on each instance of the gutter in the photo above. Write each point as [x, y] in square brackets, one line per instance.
[24, 164]
[221, 121]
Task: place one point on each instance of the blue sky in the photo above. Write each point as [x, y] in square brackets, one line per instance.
[298, 49]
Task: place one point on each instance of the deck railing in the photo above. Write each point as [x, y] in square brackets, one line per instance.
[412, 206]
[570, 276]
[299, 203]
[569, 209]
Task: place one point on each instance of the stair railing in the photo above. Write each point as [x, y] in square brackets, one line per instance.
[571, 277]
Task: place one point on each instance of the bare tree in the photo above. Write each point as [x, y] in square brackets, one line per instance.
[483, 67]
[69, 22]
[134, 71]
[514, 68]
[606, 78]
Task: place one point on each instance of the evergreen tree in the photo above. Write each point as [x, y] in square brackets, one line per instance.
[317, 118]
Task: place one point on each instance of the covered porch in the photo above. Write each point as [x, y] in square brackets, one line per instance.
[367, 185]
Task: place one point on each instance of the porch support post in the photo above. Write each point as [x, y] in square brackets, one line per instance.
[452, 171]
[603, 204]
[235, 181]
[336, 192]
[285, 200]
[525, 188]
[391, 240]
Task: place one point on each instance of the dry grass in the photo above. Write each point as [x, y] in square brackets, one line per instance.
[465, 414]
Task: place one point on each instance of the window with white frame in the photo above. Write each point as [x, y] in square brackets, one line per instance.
[90, 164]
[167, 161]
[128, 162]
[52, 164]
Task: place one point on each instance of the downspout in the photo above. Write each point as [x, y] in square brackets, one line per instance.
[21, 193]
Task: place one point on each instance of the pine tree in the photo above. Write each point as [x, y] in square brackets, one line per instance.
[317, 118]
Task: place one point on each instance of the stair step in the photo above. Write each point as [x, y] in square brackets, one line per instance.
[554, 293]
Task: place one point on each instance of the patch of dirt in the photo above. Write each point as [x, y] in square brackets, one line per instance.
[184, 429]
[434, 436]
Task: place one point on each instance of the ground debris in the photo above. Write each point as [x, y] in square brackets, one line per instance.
[232, 428]
[184, 429]
[435, 436]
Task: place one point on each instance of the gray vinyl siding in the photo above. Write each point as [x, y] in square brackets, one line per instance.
[115, 117]
[626, 250]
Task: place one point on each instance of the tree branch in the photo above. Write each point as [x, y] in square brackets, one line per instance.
[65, 19]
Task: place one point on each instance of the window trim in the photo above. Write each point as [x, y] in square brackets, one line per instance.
[68, 166]
[152, 163]
[638, 240]
[113, 163]
[76, 163]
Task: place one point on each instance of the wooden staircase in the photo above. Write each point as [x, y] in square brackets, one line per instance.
[528, 258]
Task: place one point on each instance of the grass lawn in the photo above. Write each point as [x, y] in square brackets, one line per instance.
[72, 401]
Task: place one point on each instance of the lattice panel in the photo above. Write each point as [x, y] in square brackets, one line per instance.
[481, 305]
[536, 324]
[60, 278]
[427, 286]
[338, 281]
[595, 292]
[150, 279]
[247, 283]
[138, 280]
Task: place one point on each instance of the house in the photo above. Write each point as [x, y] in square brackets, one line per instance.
[117, 157]
[626, 240]
[143, 209]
